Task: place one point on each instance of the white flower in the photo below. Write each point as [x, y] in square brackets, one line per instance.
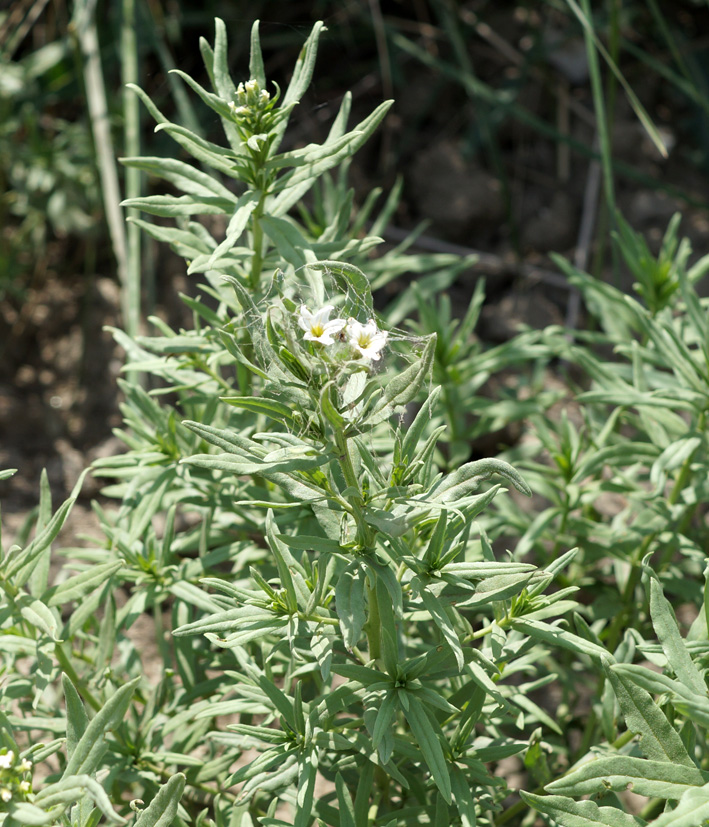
[7, 760]
[25, 787]
[367, 338]
[25, 765]
[316, 325]
[5, 795]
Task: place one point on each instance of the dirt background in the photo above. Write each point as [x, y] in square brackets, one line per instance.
[482, 177]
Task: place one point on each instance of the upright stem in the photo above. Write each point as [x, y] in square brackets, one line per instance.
[257, 238]
[373, 625]
[131, 117]
[365, 539]
[365, 534]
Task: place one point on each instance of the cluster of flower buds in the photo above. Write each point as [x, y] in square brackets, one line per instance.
[250, 99]
[253, 113]
[13, 785]
[365, 340]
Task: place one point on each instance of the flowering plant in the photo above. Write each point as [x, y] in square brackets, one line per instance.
[338, 633]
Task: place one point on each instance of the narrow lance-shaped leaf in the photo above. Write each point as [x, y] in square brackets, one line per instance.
[302, 72]
[256, 68]
[443, 622]
[162, 809]
[74, 788]
[655, 779]
[692, 810]
[665, 625]
[76, 718]
[659, 740]
[40, 574]
[404, 387]
[90, 747]
[20, 566]
[570, 813]
[426, 733]
[307, 775]
[349, 603]
[468, 477]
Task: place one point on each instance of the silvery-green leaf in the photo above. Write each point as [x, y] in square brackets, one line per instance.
[427, 734]
[569, 813]
[91, 746]
[559, 637]
[162, 809]
[659, 740]
[655, 779]
[468, 477]
[665, 624]
[692, 810]
[349, 602]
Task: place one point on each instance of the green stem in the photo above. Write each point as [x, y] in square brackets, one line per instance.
[329, 621]
[131, 133]
[373, 625]
[257, 243]
[365, 534]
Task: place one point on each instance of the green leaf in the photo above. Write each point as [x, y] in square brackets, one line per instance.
[692, 810]
[404, 387]
[659, 740]
[281, 702]
[24, 814]
[665, 625]
[90, 747]
[349, 603]
[307, 775]
[416, 430]
[183, 176]
[171, 206]
[40, 574]
[466, 479]
[349, 279]
[655, 779]
[329, 406]
[385, 717]
[462, 797]
[243, 210]
[262, 405]
[438, 613]
[346, 808]
[570, 813]
[76, 718]
[256, 68]
[162, 810]
[287, 239]
[427, 733]
[287, 567]
[282, 461]
[19, 566]
[223, 84]
[81, 584]
[73, 788]
[559, 637]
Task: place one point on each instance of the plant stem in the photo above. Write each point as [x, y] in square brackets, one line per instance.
[365, 535]
[131, 140]
[373, 625]
[257, 244]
